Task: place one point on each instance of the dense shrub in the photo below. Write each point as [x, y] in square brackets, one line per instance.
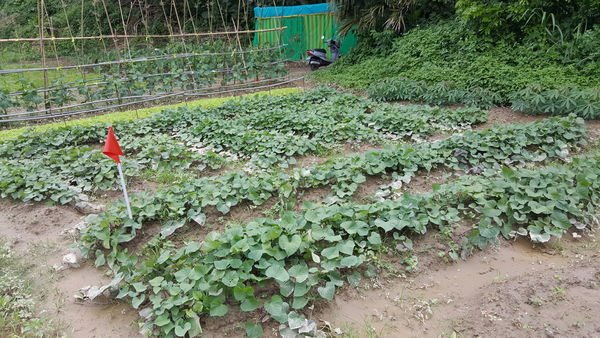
[535, 100]
[498, 18]
[450, 51]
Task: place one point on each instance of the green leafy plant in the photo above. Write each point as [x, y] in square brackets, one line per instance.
[442, 93]
[535, 100]
[305, 255]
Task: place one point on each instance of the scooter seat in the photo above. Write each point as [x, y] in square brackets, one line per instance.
[320, 50]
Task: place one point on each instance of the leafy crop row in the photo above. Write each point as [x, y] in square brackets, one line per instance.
[532, 100]
[62, 174]
[442, 93]
[60, 164]
[306, 256]
[130, 115]
[535, 100]
[510, 145]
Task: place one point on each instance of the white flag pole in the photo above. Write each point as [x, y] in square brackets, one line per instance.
[124, 190]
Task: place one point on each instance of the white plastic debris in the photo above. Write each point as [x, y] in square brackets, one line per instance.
[89, 293]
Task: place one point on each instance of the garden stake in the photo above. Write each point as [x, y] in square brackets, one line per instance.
[113, 150]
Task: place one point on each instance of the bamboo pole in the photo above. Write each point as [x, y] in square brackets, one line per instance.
[43, 49]
[137, 36]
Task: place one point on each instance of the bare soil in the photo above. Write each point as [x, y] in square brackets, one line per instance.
[37, 233]
[512, 290]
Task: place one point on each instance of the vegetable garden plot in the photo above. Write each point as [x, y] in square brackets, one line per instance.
[283, 265]
[224, 270]
[144, 75]
[512, 145]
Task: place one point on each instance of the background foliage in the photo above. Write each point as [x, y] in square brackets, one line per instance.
[452, 52]
[20, 17]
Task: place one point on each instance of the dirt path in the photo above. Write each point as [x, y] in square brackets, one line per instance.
[36, 231]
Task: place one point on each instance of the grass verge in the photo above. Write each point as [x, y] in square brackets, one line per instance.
[17, 304]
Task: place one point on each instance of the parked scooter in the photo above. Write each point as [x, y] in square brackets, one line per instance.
[318, 57]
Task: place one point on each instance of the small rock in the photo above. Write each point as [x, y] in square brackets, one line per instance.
[396, 185]
[310, 326]
[88, 208]
[576, 235]
[76, 229]
[71, 260]
[58, 268]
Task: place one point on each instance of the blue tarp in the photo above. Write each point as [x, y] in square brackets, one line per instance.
[269, 12]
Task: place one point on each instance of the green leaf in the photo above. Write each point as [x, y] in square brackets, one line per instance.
[100, 259]
[290, 246]
[346, 247]
[387, 226]
[180, 331]
[249, 304]
[138, 300]
[349, 261]
[241, 292]
[230, 279]
[299, 272]
[219, 310]
[315, 257]
[301, 289]
[195, 328]
[355, 227]
[223, 208]
[327, 291]
[277, 272]
[374, 238]
[354, 279]
[277, 308]
[162, 320]
[315, 215]
[156, 281]
[253, 330]
[331, 252]
[139, 287]
[299, 302]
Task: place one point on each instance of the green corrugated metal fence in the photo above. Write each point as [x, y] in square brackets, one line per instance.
[303, 32]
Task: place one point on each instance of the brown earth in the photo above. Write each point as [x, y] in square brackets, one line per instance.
[37, 234]
[512, 290]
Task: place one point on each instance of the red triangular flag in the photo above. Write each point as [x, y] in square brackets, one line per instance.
[112, 148]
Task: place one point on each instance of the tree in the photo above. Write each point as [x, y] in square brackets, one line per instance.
[396, 15]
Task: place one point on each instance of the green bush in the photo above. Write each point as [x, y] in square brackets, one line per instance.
[556, 18]
[450, 51]
[535, 100]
